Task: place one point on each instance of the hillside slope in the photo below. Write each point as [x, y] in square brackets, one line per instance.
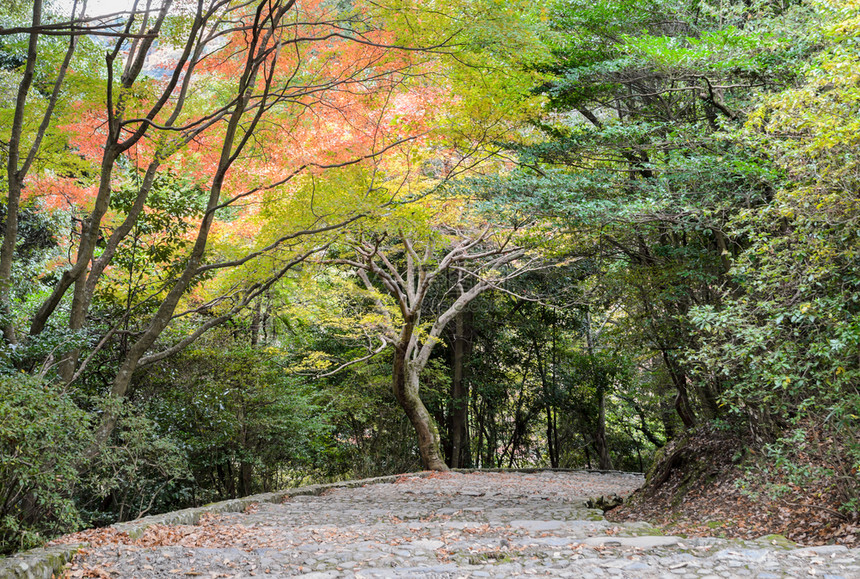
[711, 483]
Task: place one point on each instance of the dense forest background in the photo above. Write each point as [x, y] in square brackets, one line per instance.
[248, 245]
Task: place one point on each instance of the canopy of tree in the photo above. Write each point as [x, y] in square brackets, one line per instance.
[253, 244]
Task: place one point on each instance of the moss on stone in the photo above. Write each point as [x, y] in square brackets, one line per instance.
[777, 541]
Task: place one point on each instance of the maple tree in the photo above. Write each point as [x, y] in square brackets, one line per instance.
[243, 100]
[309, 69]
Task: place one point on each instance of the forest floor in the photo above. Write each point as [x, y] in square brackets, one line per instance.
[707, 486]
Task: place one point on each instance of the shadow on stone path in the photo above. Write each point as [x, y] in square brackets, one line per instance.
[448, 526]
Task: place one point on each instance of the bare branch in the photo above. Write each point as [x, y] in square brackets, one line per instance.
[255, 291]
[274, 245]
[382, 346]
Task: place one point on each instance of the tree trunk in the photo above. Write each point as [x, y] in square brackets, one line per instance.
[459, 415]
[232, 144]
[604, 461]
[551, 410]
[7, 254]
[246, 474]
[682, 406]
[710, 404]
[479, 444]
[245, 467]
[587, 452]
[15, 182]
[682, 400]
[550, 439]
[405, 386]
[256, 317]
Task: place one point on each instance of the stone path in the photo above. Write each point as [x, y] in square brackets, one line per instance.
[450, 526]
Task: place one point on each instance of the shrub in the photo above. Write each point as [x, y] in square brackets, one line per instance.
[42, 434]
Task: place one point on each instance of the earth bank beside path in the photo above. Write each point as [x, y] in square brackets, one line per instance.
[445, 526]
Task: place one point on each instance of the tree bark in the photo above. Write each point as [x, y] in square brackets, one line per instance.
[551, 437]
[256, 317]
[114, 147]
[604, 461]
[409, 288]
[682, 399]
[245, 467]
[406, 390]
[587, 452]
[459, 415]
[15, 181]
[233, 141]
[603, 457]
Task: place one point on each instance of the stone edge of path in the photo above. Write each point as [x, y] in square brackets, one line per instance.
[44, 563]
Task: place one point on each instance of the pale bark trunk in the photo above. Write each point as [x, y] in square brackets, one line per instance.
[410, 356]
[406, 390]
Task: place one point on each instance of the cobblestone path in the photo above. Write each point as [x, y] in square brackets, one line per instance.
[450, 526]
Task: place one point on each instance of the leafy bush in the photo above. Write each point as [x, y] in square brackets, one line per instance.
[139, 472]
[42, 434]
[784, 340]
[244, 425]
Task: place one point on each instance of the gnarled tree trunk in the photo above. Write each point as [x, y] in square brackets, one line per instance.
[409, 287]
[406, 390]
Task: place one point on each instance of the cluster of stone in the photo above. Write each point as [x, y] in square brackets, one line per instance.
[460, 525]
